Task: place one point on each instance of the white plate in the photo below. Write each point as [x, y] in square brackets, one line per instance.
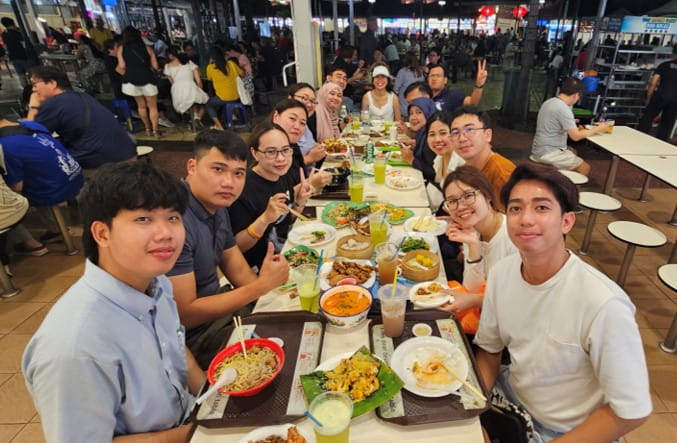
[440, 299]
[439, 227]
[369, 169]
[326, 268]
[429, 238]
[403, 182]
[415, 349]
[301, 230]
[278, 430]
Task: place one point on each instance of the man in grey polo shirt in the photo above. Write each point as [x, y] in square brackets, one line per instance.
[216, 177]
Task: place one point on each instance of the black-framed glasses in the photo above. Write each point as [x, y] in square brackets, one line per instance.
[465, 131]
[305, 99]
[271, 154]
[468, 198]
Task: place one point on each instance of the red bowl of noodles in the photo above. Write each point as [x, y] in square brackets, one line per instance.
[264, 362]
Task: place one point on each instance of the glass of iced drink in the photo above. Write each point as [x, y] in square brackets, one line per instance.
[307, 287]
[393, 307]
[378, 227]
[380, 169]
[386, 258]
[334, 410]
[356, 188]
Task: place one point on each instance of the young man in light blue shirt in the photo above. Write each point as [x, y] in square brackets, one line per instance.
[109, 360]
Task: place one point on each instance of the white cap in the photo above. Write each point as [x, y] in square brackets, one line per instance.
[380, 70]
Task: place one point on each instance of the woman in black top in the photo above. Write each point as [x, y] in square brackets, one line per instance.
[136, 62]
[261, 214]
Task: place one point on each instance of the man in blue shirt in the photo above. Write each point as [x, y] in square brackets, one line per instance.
[85, 126]
[449, 99]
[216, 176]
[109, 360]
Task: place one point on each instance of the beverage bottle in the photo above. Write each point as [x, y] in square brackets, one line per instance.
[369, 152]
[393, 133]
[343, 114]
[602, 115]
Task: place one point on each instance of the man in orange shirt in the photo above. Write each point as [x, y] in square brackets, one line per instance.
[471, 137]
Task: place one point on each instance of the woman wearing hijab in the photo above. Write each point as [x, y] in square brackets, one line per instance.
[421, 157]
[330, 99]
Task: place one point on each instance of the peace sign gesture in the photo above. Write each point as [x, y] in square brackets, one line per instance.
[482, 73]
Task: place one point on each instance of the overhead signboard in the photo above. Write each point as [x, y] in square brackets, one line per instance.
[650, 25]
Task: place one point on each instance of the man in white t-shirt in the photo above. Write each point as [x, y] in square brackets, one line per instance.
[577, 363]
[554, 123]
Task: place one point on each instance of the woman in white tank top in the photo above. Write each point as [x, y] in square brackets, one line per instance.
[382, 104]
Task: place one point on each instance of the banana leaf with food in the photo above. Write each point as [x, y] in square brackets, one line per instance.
[366, 379]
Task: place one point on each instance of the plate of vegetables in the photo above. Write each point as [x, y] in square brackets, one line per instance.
[312, 234]
[340, 214]
[416, 241]
[301, 255]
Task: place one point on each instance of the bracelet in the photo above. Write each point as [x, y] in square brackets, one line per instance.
[33, 107]
[479, 87]
[472, 262]
[252, 232]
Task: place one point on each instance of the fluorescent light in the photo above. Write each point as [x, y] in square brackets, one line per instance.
[441, 3]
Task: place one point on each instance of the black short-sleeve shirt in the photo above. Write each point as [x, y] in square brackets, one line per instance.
[667, 88]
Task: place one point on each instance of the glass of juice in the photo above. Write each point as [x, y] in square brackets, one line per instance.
[307, 287]
[611, 124]
[356, 188]
[380, 169]
[386, 126]
[356, 124]
[334, 410]
[356, 163]
[393, 306]
[386, 258]
[378, 227]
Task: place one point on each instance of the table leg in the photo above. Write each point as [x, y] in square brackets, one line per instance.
[625, 266]
[56, 211]
[611, 175]
[668, 345]
[588, 232]
[673, 222]
[645, 189]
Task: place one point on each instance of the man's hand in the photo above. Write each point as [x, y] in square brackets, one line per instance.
[482, 73]
[274, 270]
[462, 301]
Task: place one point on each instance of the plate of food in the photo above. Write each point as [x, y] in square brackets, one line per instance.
[363, 227]
[403, 182]
[429, 294]
[312, 234]
[396, 214]
[430, 366]
[362, 271]
[340, 214]
[395, 159]
[335, 146]
[427, 224]
[364, 377]
[286, 433]
[416, 241]
[301, 255]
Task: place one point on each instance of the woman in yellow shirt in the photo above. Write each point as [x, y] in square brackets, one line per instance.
[223, 75]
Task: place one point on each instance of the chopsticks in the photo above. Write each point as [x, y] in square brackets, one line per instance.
[299, 215]
[238, 327]
[473, 389]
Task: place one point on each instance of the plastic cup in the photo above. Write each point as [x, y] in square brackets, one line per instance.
[356, 164]
[611, 124]
[356, 188]
[379, 169]
[386, 260]
[309, 292]
[392, 309]
[378, 227]
[364, 115]
[356, 124]
[386, 126]
[334, 410]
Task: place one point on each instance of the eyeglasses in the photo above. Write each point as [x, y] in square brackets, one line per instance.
[305, 99]
[271, 154]
[468, 199]
[36, 82]
[465, 131]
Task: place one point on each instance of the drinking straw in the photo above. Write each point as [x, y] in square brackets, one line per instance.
[313, 419]
[397, 251]
[392, 289]
[352, 155]
[319, 265]
[385, 214]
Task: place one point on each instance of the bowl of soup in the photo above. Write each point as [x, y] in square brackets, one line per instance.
[346, 306]
[257, 370]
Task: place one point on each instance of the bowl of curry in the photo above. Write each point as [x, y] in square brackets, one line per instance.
[346, 306]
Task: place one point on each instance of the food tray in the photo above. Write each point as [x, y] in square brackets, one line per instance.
[283, 400]
[410, 409]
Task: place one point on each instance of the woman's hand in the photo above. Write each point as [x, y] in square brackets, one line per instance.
[303, 190]
[320, 179]
[407, 154]
[277, 206]
[316, 153]
[460, 234]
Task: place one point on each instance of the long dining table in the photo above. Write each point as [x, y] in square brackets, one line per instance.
[368, 427]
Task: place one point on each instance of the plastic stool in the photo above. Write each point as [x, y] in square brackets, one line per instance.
[668, 275]
[634, 234]
[70, 248]
[9, 290]
[576, 177]
[143, 153]
[595, 202]
[123, 106]
[230, 108]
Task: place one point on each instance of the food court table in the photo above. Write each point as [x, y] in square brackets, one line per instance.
[625, 141]
[366, 428]
[663, 167]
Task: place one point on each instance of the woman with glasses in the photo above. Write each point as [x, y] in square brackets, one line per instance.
[312, 151]
[481, 230]
[330, 99]
[261, 214]
[438, 135]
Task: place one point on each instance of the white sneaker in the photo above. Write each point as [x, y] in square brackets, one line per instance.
[164, 122]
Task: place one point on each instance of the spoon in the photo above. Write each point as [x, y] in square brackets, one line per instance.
[227, 377]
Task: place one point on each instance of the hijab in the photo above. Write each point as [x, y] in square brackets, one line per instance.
[326, 118]
[423, 155]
